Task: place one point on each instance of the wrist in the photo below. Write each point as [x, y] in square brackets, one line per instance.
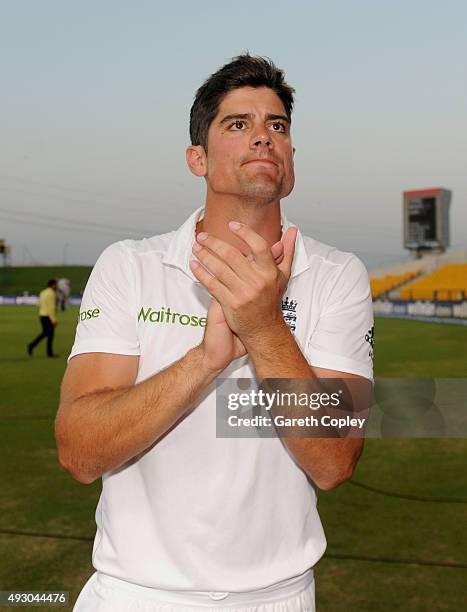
[267, 339]
[198, 355]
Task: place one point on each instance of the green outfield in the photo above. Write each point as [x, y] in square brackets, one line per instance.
[385, 552]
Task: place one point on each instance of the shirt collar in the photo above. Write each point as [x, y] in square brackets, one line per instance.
[179, 252]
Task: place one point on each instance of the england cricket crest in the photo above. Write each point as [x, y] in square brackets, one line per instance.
[289, 312]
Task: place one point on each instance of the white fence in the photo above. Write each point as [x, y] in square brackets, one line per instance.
[32, 300]
[420, 309]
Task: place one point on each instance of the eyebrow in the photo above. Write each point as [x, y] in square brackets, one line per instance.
[269, 117]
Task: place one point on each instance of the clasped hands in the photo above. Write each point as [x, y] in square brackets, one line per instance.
[247, 289]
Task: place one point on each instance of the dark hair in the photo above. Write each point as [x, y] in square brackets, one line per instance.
[243, 71]
[51, 282]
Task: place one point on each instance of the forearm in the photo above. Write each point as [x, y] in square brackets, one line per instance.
[327, 461]
[275, 354]
[103, 430]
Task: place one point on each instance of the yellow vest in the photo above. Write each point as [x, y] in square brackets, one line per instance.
[47, 304]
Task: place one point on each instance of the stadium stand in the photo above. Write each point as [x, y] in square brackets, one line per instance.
[448, 283]
[430, 287]
[382, 286]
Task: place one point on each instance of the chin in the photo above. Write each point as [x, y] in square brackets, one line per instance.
[261, 190]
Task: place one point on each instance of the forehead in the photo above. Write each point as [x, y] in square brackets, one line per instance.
[255, 100]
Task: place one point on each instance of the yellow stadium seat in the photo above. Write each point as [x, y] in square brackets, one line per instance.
[447, 283]
[380, 286]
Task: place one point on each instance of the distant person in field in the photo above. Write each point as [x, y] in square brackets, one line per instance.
[47, 317]
[63, 292]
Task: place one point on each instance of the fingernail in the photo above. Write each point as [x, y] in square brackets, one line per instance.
[196, 247]
[235, 225]
[202, 236]
[194, 264]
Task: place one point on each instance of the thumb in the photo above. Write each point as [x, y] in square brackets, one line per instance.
[288, 240]
[277, 251]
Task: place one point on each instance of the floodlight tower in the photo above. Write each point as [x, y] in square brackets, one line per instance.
[5, 251]
[6, 270]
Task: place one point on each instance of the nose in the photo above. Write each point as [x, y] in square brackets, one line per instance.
[261, 138]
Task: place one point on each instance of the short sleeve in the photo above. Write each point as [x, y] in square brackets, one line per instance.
[344, 334]
[107, 320]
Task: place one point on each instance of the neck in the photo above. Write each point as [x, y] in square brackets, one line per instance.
[263, 217]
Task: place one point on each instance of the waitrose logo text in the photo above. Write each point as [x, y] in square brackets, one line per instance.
[165, 315]
[92, 313]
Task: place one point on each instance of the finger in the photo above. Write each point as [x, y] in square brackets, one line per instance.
[288, 240]
[218, 268]
[258, 245]
[277, 251]
[228, 254]
[215, 287]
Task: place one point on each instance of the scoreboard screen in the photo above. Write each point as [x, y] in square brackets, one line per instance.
[426, 219]
[422, 219]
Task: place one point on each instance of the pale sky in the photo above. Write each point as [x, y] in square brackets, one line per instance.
[96, 97]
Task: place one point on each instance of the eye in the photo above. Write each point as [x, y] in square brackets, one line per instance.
[239, 124]
[278, 126]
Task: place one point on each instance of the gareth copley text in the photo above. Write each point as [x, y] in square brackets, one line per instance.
[268, 400]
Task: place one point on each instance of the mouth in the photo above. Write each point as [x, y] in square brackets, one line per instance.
[264, 161]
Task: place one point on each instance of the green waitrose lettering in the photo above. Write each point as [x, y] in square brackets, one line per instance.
[92, 313]
[165, 315]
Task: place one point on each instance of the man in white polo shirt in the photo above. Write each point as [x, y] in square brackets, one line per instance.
[186, 520]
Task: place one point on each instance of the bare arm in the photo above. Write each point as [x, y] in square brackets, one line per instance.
[104, 419]
[328, 461]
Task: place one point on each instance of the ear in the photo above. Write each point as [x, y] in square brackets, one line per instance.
[196, 160]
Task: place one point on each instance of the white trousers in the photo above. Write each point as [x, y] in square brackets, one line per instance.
[103, 593]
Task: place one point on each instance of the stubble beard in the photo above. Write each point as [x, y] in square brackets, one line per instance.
[260, 188]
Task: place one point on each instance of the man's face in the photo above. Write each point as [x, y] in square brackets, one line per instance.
[250, 151]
